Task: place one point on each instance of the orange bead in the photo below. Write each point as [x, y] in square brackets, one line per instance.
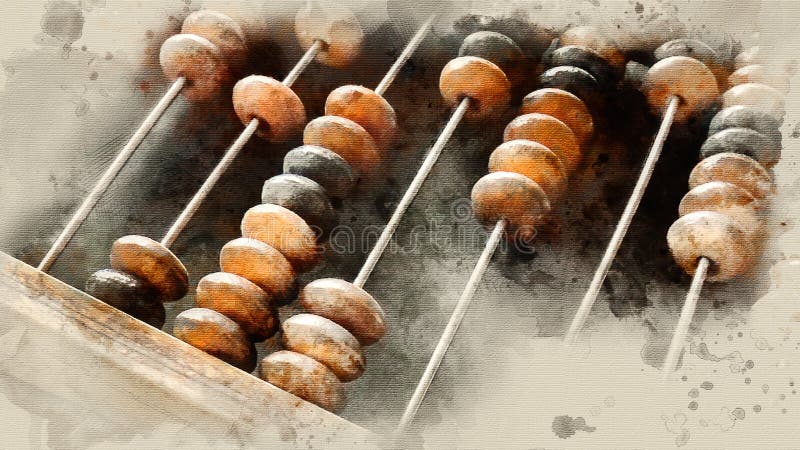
[688, 79]
[733, 168]
[325, 341]
[591, 37]
[345, 137]
[725, 198]
[366, 108]
[285, 231]
[482, 81]
[533, 160]
[564, 106]
[337, 27]
[280, 112]
[216, 335]
[513, 197]
[758, 96]
[222, 31]
[152, 262]
[198, 61]
[240, 300]
[261, 264]
[304, 377]
[756, 73]
[550, 132]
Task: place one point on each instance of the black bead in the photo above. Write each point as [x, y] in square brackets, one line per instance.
[303, 196]
[495, 47]
[740, 116]
[324, 166]
[691, 48]
[127, 293]
[743, 141]
[587, 59]
[574, 80]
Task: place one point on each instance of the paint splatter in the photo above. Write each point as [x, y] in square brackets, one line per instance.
[738, 413]
[707, 385]
[565, 426]
[693, 406]
[693, 393]
[63, 21]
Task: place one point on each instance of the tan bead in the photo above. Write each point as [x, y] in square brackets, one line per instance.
[345, 137]
[366, 108]
[222, 31]
[591, 37]
[685, 77]
[304, 377]
[733, 168]
[550, 132]
[533, 160]
[510, 196]
[261, 264]
[482, 81]
[278, 109]
[758, 96]
[240, 300]
[347, 305]
[325, 341]
[216, 335]
[756, 73]
[714, 236]
[198, 61]
[725, 198]
[285, 231]
[750, 56]
[564, 106]
[152, 262]
[337, 27]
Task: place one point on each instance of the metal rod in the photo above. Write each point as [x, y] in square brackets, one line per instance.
[411, 47]
[624, 222]
[450, 331]
[110, 174]
[301, 65]
[687, 313]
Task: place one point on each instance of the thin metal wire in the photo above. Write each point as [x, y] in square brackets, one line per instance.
[110, 174]
[301, 65]
[450, 330]
[411, 47]
[624, 222]
[411, 192]
[687, 312]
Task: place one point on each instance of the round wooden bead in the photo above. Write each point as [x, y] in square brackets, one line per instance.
[345, 137]
[756, 73]
[240, 300]
[714, 236]
[497, 48]
[725, 198]
[745, 141]
[533, 160]
[510, 196]
[564, 106]
[482, 81]
[750, 56]
[325, 341]
[152, 262]
[572, 79]
[692, 48]
[127, 293]
[261, 264]
[548, 131]
[325, 167]
[591, 37]
[366, 108]
[285, 231]
[746, 117]
[687, 78]
[586, 59]
[733, 168]
[304, 377]
[198, 61]
[222, 31]
[216, 335]
[280, 112]
[347, 305]
[337, 27]
[758, 96]
[304, 197]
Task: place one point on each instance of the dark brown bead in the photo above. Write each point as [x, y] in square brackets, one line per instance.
[127, 293]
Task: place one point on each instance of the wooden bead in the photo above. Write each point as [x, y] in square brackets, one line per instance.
[564, 106]
[687, 78]
[366, 108]
[261, 264]
[757, 73]
[750, 56]
[347, 305]
[510, 196]
[285, 231]
[240, 300]
[746, 117]
[127, 293]
[304, 197]
[550, 132]
[692, 48]
[733, 168]
[714, 236]
[325, 167]
[482, 81]
[222, 31]
[498, 49]
[572, 79]
[586, 59]
[745, 141]
[304, 377]
[216, 335]
[198, 61]
[279, 110]
[152, 262]
[325, 341]
[725, 198]
[591, 37]
[337, 27]
[533, 160]
[758, 96]
[345, 137]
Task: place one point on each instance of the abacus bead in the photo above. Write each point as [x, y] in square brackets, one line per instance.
[635, 74]
[345, 137]
[285, 231]
[747, 57]
[196, 59]
[325, 167]
[746, 117]
[586, 59]
[533, 160]
[756, 73]
[261, 264]
[304, 377]
[714, 236]
[497, 48]
[222, 31]
[745, 141]
[725, 198]
[127, 293]
[280, 112]
[548, 131]
[510, 196]
[152, 262]
[591, 37]
[757, 96]
[687, 78]
[240, 300]
[562, 105]
[304, 197]
[325, 341]
[366, 108]
[733, 168]
[571, 79]
[482, 81]
[346, 304]
[692, 48]
[216, 335]
[337, 27]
